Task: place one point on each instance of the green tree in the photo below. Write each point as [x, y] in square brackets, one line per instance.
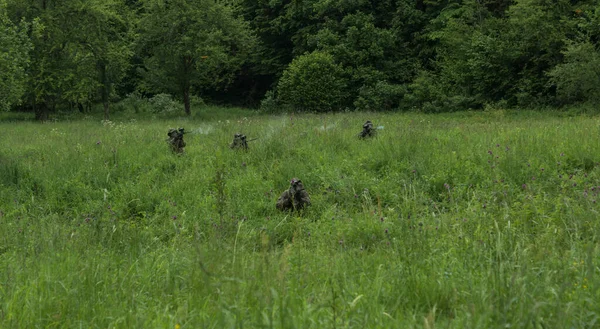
[313, 82]
[80, 47]
[475, 60]
[267, 18]
[191, 45]
[14, 58]
[378, 43]
[486, 57]
[577, 78]
[105, 36]
[50, 64]
[374, 58]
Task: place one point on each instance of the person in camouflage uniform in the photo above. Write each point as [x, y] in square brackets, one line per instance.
[368, 130]
[176, 139]
[294, 198]
[239, 142]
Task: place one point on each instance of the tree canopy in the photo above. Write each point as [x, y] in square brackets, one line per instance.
[14, 59]
[191, 46]
[433, 56]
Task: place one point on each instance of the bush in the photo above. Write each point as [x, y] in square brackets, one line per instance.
[269, 104]
[197, 101]
[576, 80]
[428, 94]
[133, 101]
[313, 82]
[163, 103]
[383, 96]
[159, 103]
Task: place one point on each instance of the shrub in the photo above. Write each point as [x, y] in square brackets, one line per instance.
[576, 80]
[134, 101]
[163, 103]
[313, 82]
[270, 104]
[197, 101]
[383, 96]
[430, 95]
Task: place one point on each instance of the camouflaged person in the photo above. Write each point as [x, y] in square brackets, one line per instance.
[239, 142]
[176, 139]
[368, 130]
[294, 198]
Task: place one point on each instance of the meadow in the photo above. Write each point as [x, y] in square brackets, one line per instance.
[464, 220]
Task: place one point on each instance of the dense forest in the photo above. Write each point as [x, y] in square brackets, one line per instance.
[302, 55]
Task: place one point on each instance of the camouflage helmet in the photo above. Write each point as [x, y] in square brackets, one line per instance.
[296, 184]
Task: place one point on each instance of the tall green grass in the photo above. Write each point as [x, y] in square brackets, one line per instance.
[466, 220]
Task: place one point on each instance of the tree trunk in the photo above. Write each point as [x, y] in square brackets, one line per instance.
[105, 88]
[106, 111]
[41, 112]
[188, 62]
[186, 100]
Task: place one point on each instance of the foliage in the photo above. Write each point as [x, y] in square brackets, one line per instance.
[576, 79]
[429, 93]
[488, 59]
[157, 104]
[313, 82]
[191, 46]
[136, 102]
[372, 42]
[270, 104]
[431, 56]
[109, 44]
[381, 97]
[163, 103]
[14, 59]
[268, 19]
[80, 48]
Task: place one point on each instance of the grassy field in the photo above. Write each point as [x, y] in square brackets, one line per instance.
[465, 220]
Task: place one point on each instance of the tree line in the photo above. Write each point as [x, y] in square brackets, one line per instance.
[303, 55]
